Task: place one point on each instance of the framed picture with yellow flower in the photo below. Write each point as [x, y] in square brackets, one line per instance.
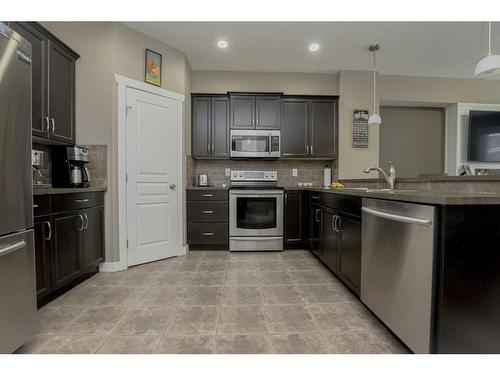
[153, 68]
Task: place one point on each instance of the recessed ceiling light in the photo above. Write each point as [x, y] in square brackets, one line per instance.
[222, 44]
[313, 47]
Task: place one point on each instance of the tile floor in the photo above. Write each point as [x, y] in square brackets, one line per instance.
[212, 302]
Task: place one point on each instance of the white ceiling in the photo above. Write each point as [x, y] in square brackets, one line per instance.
[437, 49]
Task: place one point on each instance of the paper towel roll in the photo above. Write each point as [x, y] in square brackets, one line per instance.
[327, 177]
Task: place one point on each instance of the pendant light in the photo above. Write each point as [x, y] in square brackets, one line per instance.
[489, 65]
[374, 119]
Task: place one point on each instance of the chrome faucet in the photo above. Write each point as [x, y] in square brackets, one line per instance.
[391, 179]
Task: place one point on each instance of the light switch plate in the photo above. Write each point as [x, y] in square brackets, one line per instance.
[295, 172]
[227, 172]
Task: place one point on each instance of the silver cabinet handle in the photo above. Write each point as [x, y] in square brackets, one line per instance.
[12, 247]
[49, 236]
[83, 223]
[318, 219]
[314, 196]
[311, 149]
[338, 223]
[307, 149]
[86, 221]
[81, 200]
[207, 212]
[46, 120]
[404, 219]
[286, 199]
[53, 122]
[334, 227]
[207, 195]
[171, 186]
[35, 206]
[208, 234]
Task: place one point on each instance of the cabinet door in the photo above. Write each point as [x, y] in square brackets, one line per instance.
[38, 42]
[293, 217]
[329, 241]
[294, 120]
[43, 235]
[242, 111]
[323, 128]
[220, 127]
[267, 112]
[315, 229]
[65, 254]
[61, 85]
[92, 238]
[201, 120]
[350, 255]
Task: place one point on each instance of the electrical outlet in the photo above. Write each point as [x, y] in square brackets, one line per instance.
[227, 172]
[295, 172]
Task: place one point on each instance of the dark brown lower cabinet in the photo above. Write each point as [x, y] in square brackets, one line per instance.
[335, 235]
[93, 238]
[294, 220]
[43, 234]
[69, 244]
[66, 248]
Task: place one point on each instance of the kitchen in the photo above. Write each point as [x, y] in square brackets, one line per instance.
[241, 206]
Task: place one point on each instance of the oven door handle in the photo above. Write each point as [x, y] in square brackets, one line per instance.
[257, 195]
[255, 238]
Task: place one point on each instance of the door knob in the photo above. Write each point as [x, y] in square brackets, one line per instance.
[171, 186]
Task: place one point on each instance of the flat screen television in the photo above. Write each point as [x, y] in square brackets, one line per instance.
[484, 136]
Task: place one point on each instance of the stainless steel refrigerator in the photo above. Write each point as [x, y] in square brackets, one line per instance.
[17, 265]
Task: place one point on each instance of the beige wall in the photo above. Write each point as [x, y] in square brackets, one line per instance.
[290, 83]
[413, 139]
[356, 92]
[109, 48]
[438, 90]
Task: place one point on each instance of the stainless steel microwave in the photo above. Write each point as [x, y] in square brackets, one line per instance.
[255, 143]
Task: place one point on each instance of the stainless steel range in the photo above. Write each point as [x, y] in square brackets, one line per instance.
[255, 211]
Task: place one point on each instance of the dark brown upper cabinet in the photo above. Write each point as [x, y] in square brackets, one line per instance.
[309, 127]
[53, 85]
[210, 126]
[255, 111]
[294, 127]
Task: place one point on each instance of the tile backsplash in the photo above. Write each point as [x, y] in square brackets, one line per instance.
[308, 170]
[97, 166]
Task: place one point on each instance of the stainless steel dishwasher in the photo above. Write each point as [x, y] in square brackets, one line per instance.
[397, 267]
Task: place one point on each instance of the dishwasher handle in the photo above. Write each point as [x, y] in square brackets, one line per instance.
[395, 217]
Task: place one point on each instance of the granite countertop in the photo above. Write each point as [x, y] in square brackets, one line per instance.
[207, 188]
[51, 190]
[428, 179]
[415, 196]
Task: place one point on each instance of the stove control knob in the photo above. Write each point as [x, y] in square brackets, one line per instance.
[266, 175]
[272, 175]
[241, 174]
[235, 174]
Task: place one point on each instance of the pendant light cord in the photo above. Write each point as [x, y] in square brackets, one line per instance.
[374, 82]
[489, 38]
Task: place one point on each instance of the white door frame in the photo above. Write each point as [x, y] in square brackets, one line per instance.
[122, 84]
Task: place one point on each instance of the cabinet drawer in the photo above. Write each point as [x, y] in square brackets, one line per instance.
[207, 212]
[41, 205]
[76, 201]
[207, 195]
[345, 203]
[208, 233]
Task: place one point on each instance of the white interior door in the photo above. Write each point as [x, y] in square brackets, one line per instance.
[152, 162]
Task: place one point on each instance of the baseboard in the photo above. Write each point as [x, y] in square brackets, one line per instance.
[184, 250]
[111, 267]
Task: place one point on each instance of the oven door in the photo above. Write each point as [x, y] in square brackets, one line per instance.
[256, 213]
[255, 144]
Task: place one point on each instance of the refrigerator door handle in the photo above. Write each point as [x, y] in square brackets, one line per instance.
[12, 247]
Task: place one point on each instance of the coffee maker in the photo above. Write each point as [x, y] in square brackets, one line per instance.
[68, 166]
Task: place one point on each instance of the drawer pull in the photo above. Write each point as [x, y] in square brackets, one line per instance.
[81, 200]
[314, 196]
[35, 206]
[207, 195]
[208, 212]
[208, 234]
